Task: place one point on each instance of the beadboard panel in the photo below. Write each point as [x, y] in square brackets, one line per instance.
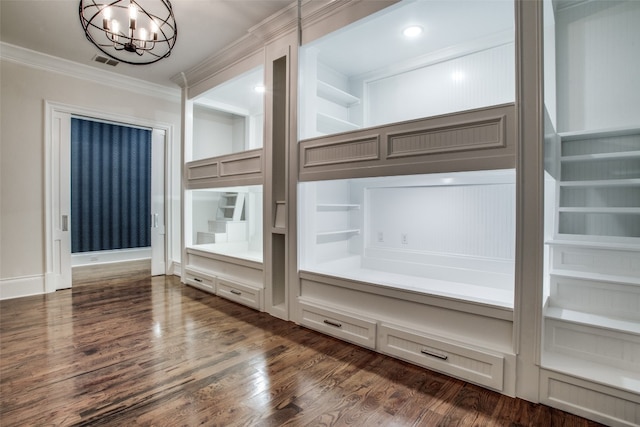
[470, 140]
[599, 345]
[348, 150]
[603, 297]
[474, 136]
[244, 168]
[593, 260]
[596, 72]
[603, 404]
[441, 87]
[241, 166]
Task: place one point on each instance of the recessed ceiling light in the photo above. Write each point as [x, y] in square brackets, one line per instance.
[412, 31]
[259, 88]
[458, 76]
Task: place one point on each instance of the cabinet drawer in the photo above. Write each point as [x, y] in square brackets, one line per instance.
[355, 329]
[199, 280]
[474, 365]
[240, 293]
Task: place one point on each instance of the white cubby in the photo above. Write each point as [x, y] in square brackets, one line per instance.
[450, 235]
[367, 74]
[591, 311]
[228, 118]
[599, 185]
[226, 221]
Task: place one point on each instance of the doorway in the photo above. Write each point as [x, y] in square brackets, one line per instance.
[60, 222]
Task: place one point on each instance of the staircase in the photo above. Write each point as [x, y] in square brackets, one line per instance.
[230, 224]
[592, 315]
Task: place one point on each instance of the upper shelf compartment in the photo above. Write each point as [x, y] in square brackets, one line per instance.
[228, 118]
[369, 74]
[335, 95]
[600, 186]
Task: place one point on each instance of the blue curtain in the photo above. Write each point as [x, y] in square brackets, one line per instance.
[110, 186]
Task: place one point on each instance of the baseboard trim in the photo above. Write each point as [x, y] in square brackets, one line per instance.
[107, 257]
[18, 287]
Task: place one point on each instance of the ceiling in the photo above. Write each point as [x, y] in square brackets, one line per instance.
[205, 27]
[377, 41]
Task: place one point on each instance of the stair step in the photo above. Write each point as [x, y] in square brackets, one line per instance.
[607, 375]
[599, 277]
[203, 238]
[592, 320]
[624, 244]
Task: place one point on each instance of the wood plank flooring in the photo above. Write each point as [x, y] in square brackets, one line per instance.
[153, 352]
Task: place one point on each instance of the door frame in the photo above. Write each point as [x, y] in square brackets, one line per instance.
[52, 189]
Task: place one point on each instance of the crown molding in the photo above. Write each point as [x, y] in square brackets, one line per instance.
[49, 63]
[272, 28]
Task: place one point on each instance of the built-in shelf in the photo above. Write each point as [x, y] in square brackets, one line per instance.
[602, 183]
[328, 124]
[335, 95]
[624, 280]
[612, 210]
[592, 320]
[601, 156]
[627, 244]
[338, 232]
[336, 206]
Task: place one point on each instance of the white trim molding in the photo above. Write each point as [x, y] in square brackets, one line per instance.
[17, 287]
[31, 58]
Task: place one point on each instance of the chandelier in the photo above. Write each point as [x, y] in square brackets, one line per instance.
[128, 32]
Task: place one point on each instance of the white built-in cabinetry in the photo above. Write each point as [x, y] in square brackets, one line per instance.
[592, 313]
[223, 198]
[400, 263]
[327, 105]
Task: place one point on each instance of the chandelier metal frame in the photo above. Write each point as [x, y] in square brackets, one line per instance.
[150, 32]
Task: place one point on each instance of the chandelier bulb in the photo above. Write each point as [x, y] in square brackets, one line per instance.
[151, 38]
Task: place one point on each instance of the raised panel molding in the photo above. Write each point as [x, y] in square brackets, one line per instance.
[243, 168]
[203, 171]
[247, 165]
[463, 141]
[465, 136]
[348, 150]
[473, 364]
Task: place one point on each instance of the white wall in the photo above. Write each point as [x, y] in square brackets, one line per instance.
[213, 133]
[24, 92]
[465, 220]
[472, 81]
[204, 209]
[598, 60]
[550, 62]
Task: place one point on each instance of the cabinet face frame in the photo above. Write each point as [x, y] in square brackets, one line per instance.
[280, 177]
[522, 153]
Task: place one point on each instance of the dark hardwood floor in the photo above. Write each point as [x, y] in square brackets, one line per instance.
[132, 350]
